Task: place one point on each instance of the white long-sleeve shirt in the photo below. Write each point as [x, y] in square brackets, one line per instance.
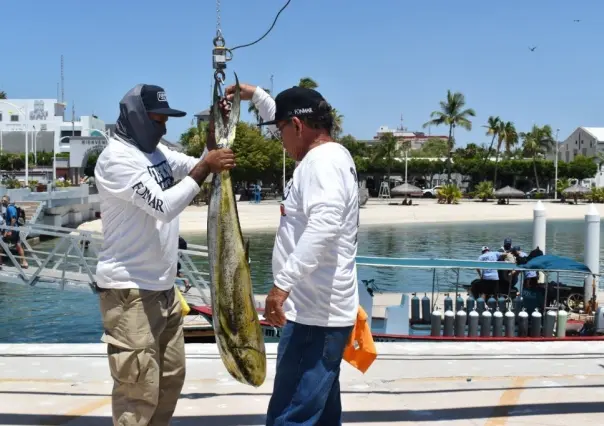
[316, 243]
[139, 209]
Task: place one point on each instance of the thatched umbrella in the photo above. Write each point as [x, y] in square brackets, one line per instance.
[406, 189]
[508, 192]
[575, 191]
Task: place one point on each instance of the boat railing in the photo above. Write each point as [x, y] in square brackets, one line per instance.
[71, 260]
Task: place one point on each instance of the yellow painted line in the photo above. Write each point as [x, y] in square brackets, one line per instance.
[509, 398]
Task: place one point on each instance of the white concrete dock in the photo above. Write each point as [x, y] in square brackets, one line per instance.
[558, 383]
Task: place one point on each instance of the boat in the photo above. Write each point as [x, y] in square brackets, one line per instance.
[436, 323]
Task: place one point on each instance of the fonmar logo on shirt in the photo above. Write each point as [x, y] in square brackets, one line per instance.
[141, 190]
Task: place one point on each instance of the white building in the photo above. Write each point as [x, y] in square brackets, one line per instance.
[416, 140]
[43, 119]
[586, 141]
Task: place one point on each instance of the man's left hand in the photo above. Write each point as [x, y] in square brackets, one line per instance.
[273, 307]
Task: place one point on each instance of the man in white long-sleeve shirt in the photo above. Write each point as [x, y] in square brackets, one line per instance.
[140, 204]
[314, 297]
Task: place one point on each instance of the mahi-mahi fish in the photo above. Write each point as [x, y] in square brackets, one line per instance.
[234, 316]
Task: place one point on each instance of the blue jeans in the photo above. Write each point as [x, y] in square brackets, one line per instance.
[306, 391]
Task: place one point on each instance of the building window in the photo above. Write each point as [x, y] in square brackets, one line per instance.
[14, 118]
[584, 152]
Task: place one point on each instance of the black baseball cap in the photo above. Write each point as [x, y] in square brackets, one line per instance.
[155, 100]
[298, 102]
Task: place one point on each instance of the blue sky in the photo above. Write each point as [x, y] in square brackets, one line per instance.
[373, 60]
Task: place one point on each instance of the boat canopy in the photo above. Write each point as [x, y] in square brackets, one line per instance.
[547, 263]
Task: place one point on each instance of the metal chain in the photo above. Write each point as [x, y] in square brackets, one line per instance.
[218, 25]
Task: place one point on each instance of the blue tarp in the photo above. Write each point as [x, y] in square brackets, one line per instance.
[545, 262]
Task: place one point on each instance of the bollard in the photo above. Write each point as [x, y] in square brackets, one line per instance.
[480, 305]
[485, 324]
[448, 303]
[591, 252]
[510, 323]
[415, 315]
[561, 323]
[523, 323]
[449, 323]
[539, 226]
[497, 323]
[548, 324]
[435, 321]
[536, 323]
[473, 323]
[460, 323]
[426, 309]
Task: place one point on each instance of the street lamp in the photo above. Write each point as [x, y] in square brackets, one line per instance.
[26, 117]
[556, 167]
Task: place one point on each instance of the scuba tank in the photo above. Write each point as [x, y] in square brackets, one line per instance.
[480, 305]
[415, 316]
[458, 303]
[501, 304]
[448, 303]
[426, 309]
[492, 303]
[510, 323]
[435, 321]
[497, 323]
[561, 326]
[523, 323]
[471, 302]
[449, 323]
[548, 324]
[460, 323]
[536, 323]
[485, 324]
[473, 323]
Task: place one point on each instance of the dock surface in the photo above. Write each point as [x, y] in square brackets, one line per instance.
[478, 384]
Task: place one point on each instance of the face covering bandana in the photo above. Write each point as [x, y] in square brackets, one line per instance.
[135, 126]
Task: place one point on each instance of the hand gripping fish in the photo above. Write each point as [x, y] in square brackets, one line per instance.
[234, 317]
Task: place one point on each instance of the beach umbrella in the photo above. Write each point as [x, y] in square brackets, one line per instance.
[509, 192]
[405, 189]
[576, 189]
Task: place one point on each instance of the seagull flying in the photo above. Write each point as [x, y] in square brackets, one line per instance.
[577, 20]
[532, 49]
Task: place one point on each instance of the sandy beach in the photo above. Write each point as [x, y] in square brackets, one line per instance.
[265, 216]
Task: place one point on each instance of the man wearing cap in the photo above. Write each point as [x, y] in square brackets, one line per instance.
[140, 203]
[487, 278]
[314, 296]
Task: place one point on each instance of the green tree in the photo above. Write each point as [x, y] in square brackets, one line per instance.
[308, 83]
[3, 94]
[484, 190]
[537, 143]
[452, 114]
[506, 135]
[432, 148]
[194, 139]
[388, 150]
[582, 167]
[336, 130]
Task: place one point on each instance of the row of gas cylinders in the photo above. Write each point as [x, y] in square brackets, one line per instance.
[491, 317]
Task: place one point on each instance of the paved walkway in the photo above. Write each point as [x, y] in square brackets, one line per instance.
[491, 384]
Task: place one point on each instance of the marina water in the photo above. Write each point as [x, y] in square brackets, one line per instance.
[45, 316]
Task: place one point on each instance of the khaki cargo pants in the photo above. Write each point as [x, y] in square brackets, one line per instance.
[145, 346]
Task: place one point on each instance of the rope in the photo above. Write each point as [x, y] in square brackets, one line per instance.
[266, 33]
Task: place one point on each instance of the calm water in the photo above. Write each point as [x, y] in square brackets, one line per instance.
[39, 315]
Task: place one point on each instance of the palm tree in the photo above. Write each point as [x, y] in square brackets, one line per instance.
[452, 114]
[536, 143]
[254, 111]
[387, 149]
[492, 130]
[336, 130]
[2, 94]
[308, 83]
[506, 134]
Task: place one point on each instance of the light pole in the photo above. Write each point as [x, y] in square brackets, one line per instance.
[556, 168]
[26, 117]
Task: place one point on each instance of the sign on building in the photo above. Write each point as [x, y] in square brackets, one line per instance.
[81, 147]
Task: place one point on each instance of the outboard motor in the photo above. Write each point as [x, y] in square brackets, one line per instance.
[415, 316]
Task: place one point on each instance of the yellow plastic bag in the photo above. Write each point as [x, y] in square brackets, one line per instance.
[360, 351]
[183, 303]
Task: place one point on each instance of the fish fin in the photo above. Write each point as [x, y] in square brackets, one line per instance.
[247, 250]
